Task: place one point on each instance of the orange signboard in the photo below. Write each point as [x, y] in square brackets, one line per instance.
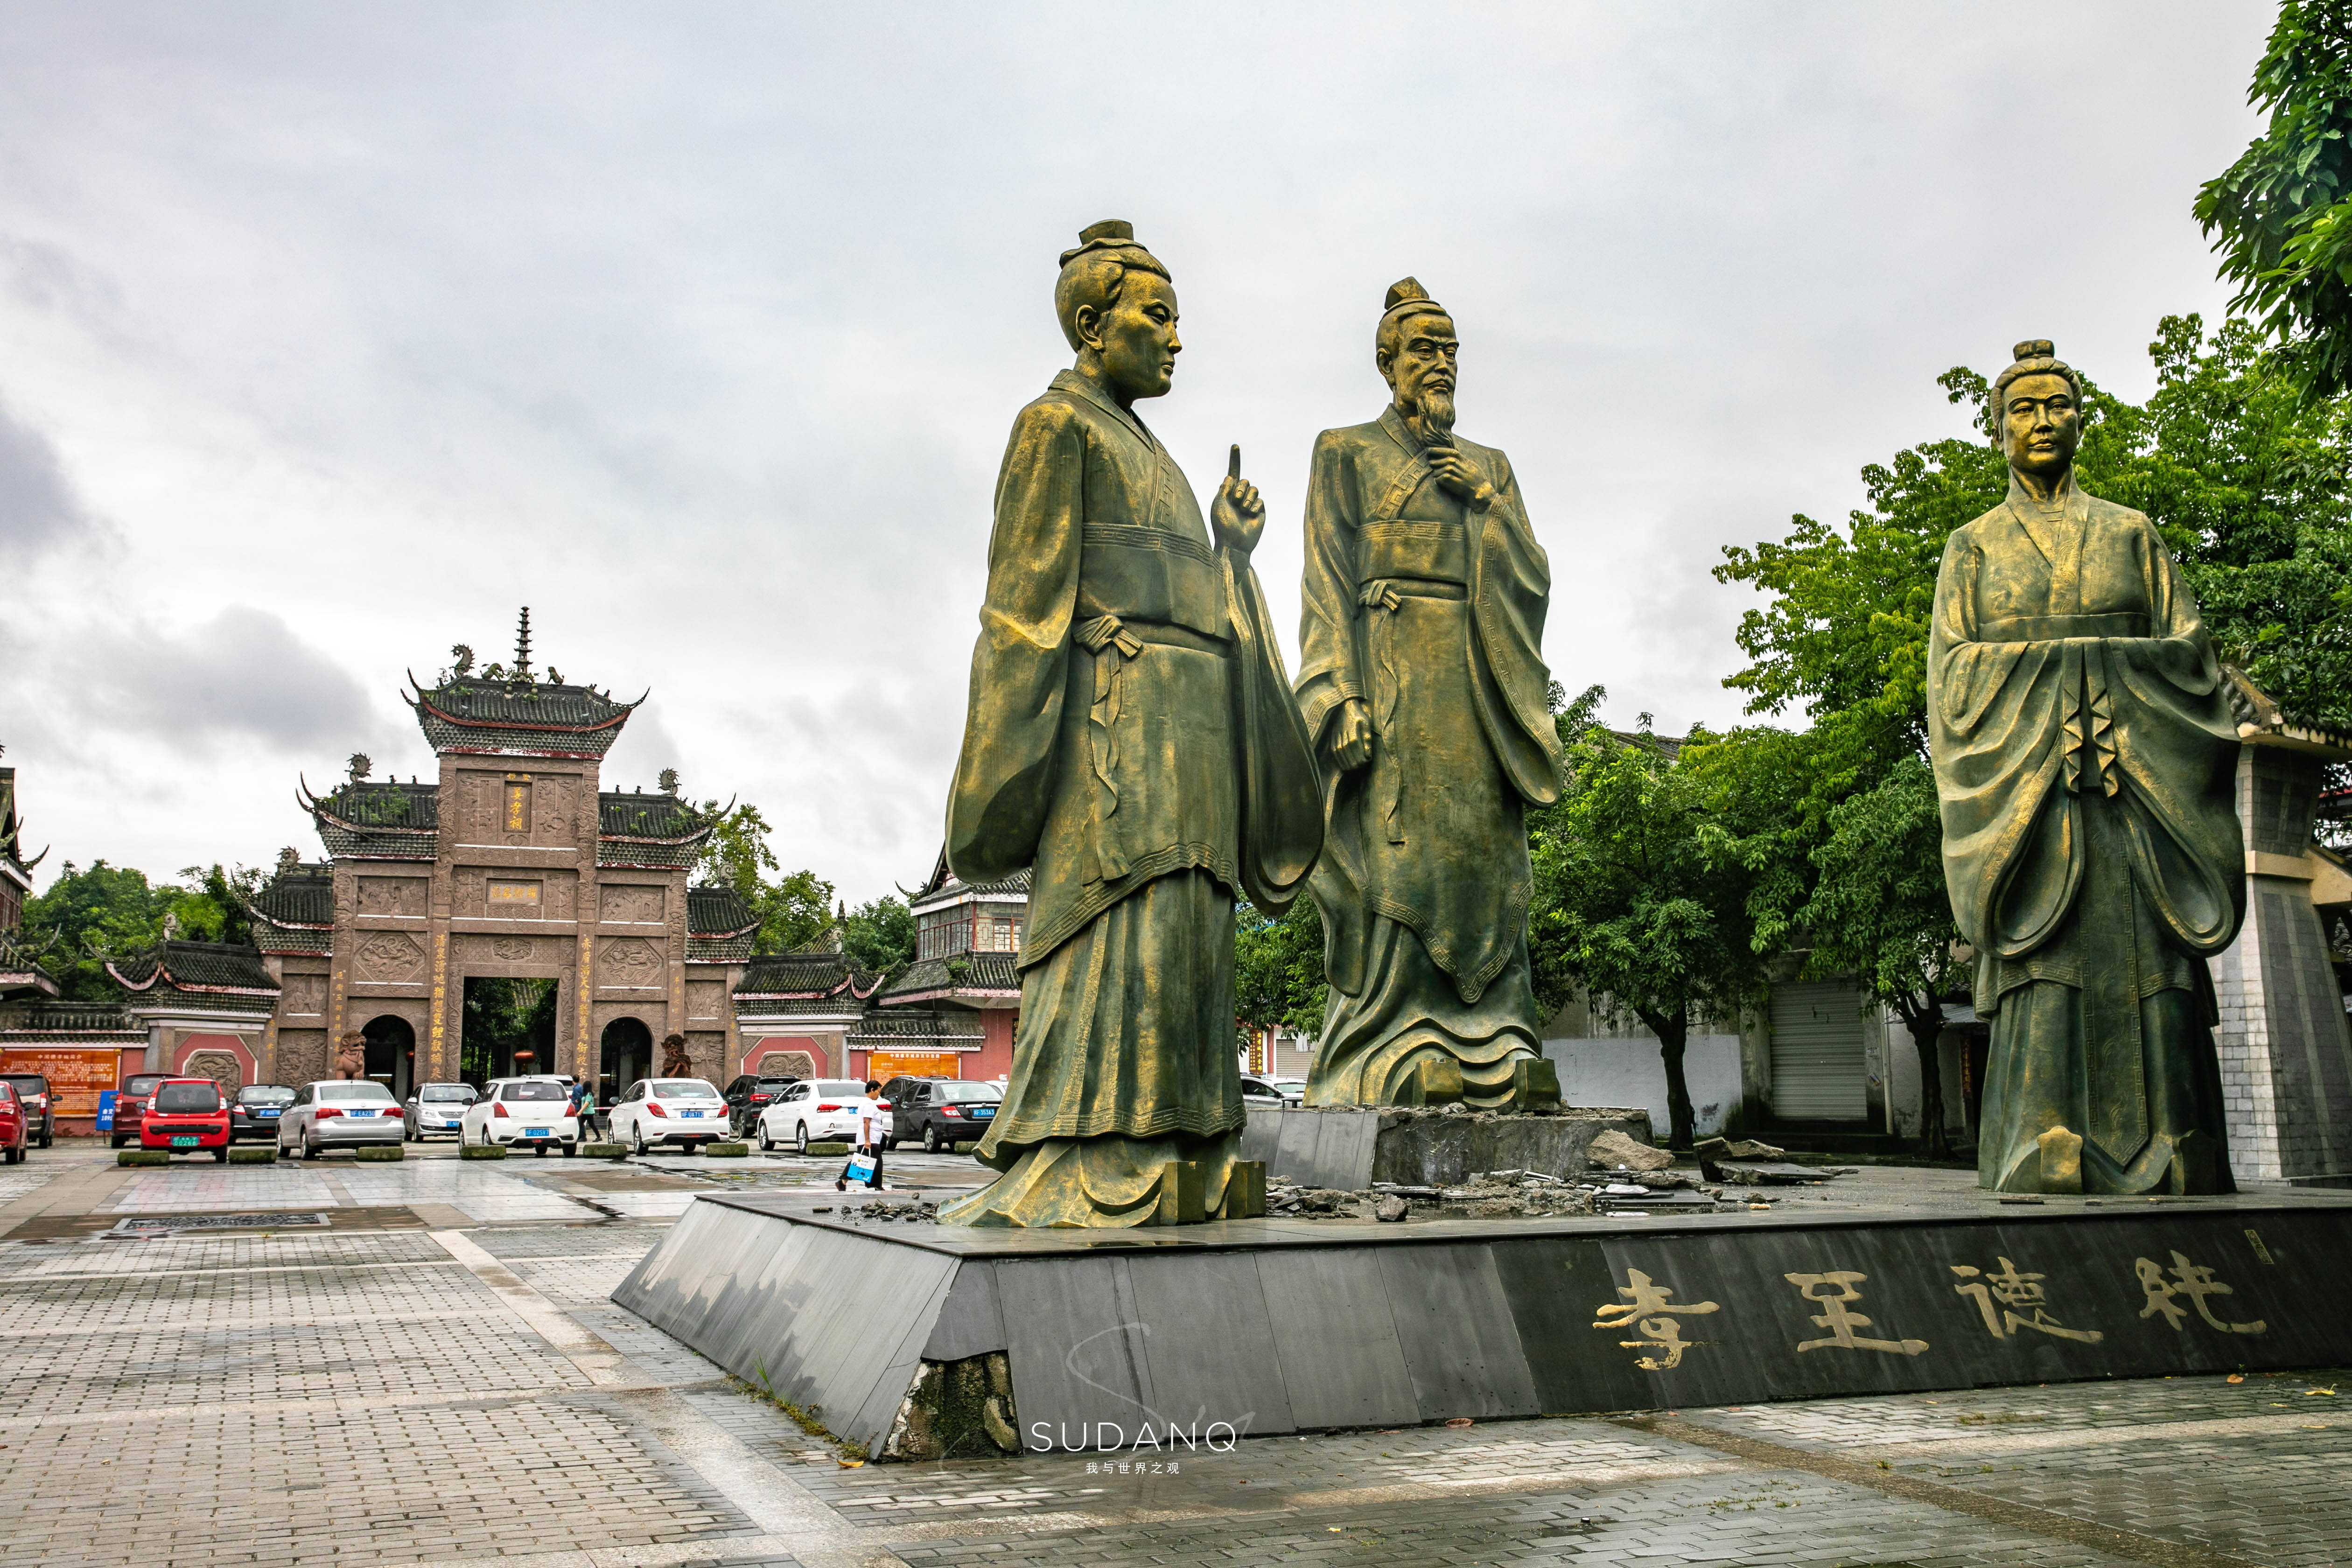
[887, 1065]
[77, 1074]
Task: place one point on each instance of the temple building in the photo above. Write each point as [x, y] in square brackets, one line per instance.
[514, 862]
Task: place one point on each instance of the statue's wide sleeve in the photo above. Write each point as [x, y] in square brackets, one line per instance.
[1327, 675]
[1281, 791]
[1513, 593]
[1020, 666]
[2177, 743]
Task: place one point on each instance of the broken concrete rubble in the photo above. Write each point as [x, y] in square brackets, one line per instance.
[1614, 1151]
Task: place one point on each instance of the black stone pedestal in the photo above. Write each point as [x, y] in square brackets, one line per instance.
[1251, 1327]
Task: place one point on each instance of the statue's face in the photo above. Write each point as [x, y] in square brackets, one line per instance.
[1136, 339]
[1424, 362]
[2041, 425]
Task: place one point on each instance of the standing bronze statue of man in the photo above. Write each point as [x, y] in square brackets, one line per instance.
[1422, 677]
[2086, 761]
[1132, 738]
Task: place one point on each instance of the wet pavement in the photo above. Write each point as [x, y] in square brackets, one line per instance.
[436, 1376]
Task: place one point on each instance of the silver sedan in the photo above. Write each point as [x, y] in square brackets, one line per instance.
[338, 1115]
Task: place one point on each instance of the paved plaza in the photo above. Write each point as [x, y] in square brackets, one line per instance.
[435, 1375]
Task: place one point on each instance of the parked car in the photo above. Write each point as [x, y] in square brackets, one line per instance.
[436, 1108]
[1293, 1089]
[33, 1095]
[533, 1113]
[337, 1113]
[186, 1116]
[131, 1104]
[12, 1126]
[1258, 1091]
[687, 1112]
[942, 1112]
[749, 1095]
[254, 1111]
[814, 1110]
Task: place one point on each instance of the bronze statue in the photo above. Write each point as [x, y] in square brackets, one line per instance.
[2086, 761]
[675, 1061]
[1422, 674]
[1132, 738]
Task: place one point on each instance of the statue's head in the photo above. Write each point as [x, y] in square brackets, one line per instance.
[1118, 307]
[1416, 350]
[2037, 411]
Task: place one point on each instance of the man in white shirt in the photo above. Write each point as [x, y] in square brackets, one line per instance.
[872, 1120]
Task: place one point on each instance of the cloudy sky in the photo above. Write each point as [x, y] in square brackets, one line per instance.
[329, 335]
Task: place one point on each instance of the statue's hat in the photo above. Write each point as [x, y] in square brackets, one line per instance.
[1408, 297]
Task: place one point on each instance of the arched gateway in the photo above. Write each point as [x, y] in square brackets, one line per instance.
[514, 863]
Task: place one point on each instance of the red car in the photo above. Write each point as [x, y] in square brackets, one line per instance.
[186, 1115]
[12, 1126]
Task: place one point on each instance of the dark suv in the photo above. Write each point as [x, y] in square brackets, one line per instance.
[131, 1105]
[748, 1095]
[940, 1112]
[40, 1113]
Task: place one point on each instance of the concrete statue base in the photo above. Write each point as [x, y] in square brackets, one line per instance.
[896, 1333]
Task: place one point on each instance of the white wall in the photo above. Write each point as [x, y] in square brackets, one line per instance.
[1626, 1071]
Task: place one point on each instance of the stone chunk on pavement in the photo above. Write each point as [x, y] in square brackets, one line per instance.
[1613, 1151]
[1734, 1149]
[1765, 1173]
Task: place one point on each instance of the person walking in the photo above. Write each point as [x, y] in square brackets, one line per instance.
[870, 1122]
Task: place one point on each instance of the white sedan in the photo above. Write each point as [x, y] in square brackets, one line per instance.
[686, 1112]
[527, 1112]
[816, 1110]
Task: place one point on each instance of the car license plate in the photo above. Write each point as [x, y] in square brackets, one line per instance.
[534, 1133]
[267, 1112]
[690, 1113]
[982, 1113]
[184, 1142]
[359, 1113]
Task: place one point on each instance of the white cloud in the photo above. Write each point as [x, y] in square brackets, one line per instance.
[699, 329]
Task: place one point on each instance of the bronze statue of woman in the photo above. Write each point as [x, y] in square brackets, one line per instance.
[1132, 738]
[2085, 763]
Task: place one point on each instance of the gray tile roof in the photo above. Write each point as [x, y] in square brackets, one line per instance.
[806, 977]
[993, 973]
[206, 973]
[895, 1025]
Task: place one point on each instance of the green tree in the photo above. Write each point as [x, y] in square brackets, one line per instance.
[1879, 911]
[879, 935]
[2246, 478]
[1279, 968]
[1640, 901]
[107, 911]
[795, 910]
[2280, 216]
[215, 907]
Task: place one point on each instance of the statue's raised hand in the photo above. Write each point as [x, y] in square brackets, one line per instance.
[1461, 477]
[1238, 514]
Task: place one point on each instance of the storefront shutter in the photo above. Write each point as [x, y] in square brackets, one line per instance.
[1817, 1066]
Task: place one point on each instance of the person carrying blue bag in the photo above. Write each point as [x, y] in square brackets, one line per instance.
[866, 1154]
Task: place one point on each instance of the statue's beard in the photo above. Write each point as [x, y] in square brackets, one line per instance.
[1433, 414]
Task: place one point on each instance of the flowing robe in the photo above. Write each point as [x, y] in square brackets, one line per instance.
[1431, 615]
[1132, 738]
[2086, 761]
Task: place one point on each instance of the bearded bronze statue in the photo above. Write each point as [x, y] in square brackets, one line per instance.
[1132, 740]
[2086, 761]
[1421, 676]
